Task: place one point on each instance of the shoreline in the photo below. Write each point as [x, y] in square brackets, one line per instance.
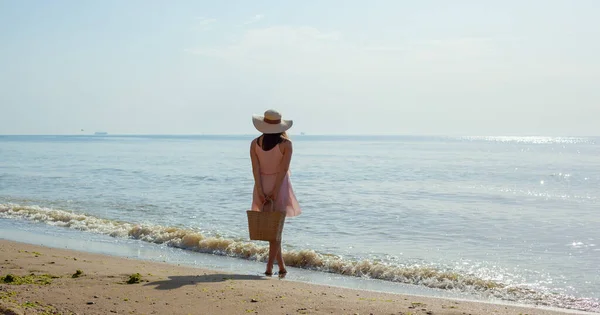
[169, 288]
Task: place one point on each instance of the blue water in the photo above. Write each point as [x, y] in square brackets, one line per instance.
[515, 218]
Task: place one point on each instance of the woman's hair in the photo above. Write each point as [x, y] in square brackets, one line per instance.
[270, 140]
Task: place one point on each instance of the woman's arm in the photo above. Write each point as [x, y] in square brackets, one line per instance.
[256, 170]
[284, 167]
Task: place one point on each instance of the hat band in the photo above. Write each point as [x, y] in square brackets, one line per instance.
[272, 121]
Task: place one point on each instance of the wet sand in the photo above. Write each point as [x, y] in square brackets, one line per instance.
[46, 281]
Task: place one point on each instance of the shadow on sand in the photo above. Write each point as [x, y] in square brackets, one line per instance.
[176, 282]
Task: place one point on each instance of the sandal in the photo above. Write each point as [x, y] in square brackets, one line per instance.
[282, 273]
[268, 274]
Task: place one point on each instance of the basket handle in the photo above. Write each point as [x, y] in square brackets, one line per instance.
[267, 201]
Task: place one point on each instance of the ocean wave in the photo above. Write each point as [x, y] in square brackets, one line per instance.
[308, 259]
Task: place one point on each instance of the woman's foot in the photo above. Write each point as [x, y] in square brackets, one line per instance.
[268, 273]
[282, 273]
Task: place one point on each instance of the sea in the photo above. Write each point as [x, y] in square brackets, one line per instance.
[498, 219]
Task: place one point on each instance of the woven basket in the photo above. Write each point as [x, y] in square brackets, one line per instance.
[265, 226]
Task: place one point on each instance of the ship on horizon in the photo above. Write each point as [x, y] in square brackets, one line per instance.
[100, 133]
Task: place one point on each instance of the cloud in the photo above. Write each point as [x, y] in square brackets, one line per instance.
[385, 48]
[313, 52]
[303, 49]
[274, 41]
[205, 21]
[279, 49]
[204, 24]
[255, 19]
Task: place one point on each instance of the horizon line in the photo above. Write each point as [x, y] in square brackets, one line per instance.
[297, 134]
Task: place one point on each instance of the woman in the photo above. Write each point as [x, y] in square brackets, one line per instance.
[271, 154]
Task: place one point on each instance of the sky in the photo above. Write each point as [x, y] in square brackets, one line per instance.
[462, 67]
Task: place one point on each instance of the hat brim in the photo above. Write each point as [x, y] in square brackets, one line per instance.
[267, 128]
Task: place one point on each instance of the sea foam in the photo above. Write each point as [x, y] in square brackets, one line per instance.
[307, 258]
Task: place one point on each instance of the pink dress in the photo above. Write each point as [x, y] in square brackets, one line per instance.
[269, 162]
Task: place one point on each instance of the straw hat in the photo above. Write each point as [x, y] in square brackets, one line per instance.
[271, 122]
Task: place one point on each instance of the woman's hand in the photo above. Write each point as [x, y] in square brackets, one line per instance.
[273, 196]
[262, 197]
[267, 202]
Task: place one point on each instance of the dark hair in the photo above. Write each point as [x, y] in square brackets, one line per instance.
[270, 140]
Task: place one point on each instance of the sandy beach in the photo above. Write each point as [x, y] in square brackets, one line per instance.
[42, 280]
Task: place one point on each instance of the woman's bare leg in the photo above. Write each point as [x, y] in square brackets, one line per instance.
[280, 261]
[273, 246]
